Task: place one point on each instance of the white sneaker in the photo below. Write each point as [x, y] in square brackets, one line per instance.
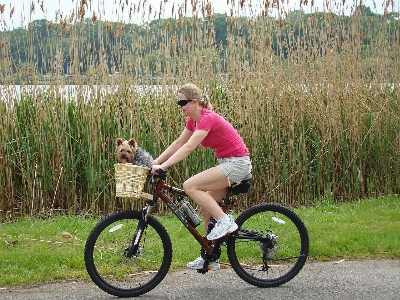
[223, 227]
[198, 263]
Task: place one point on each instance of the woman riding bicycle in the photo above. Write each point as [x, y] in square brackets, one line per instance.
[206, 128]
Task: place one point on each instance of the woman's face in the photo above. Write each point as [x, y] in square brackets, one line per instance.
[187, 107]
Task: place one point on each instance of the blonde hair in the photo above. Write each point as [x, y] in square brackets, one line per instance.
[192, 91]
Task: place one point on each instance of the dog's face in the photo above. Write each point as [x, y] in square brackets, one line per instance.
[126, 150]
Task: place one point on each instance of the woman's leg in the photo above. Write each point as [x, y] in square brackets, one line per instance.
[217, 196]
[213, 181]
[210, 180]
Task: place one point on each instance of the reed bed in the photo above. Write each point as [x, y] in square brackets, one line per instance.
[317, 106]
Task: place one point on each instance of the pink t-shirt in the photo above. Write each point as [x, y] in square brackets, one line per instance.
[222, 138]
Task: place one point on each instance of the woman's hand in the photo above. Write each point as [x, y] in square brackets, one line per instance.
[154, 169]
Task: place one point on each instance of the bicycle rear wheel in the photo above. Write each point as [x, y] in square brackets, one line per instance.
[270, 247]
[115, 266]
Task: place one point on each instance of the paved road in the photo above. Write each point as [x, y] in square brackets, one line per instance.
[347, 280]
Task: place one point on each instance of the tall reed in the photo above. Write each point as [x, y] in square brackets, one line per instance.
[317, 106]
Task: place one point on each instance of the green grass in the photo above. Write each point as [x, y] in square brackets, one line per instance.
[363, 229]
[34, 250]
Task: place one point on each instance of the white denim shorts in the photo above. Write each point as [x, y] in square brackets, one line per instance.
[235, 168]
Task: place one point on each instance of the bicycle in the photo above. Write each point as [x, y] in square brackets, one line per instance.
[129, 253]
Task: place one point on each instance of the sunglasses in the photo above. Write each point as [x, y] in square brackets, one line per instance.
[183, 102]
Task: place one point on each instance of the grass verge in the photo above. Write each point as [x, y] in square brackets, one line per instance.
[35, 250]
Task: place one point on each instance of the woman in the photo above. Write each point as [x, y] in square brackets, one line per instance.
[206, 128]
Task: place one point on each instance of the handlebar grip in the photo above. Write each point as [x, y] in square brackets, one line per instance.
[162, 174]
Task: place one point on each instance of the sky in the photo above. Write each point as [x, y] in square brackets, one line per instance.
[110, 10]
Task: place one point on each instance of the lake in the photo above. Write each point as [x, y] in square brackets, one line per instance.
[9, 93]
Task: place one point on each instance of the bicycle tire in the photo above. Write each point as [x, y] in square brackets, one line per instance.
[108, 265]
[285, 251]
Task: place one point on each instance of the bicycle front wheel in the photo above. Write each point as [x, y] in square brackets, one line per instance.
[270, 247]
[117, 268]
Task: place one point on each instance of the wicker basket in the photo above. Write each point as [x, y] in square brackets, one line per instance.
[129, 180]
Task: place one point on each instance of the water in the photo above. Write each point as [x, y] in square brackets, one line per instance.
[10, 93]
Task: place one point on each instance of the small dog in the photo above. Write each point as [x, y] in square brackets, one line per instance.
[129, 152]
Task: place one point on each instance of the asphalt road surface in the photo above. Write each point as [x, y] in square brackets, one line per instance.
[344, 280]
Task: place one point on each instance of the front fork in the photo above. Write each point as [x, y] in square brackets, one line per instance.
[134, 248]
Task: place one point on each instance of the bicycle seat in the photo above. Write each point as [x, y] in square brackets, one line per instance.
[242, 187]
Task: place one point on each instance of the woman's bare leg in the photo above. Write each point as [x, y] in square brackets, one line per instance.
[205, 189]
[217, 196]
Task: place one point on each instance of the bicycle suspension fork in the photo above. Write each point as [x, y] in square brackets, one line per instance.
[134, 248]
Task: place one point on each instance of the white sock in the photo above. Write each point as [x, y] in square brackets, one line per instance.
[226, 217]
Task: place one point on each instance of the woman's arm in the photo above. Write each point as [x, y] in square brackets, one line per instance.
[181, 140]
[176, 155]
[185, 149]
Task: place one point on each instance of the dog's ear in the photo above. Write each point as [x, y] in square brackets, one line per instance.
[119, 141]
[132, 142]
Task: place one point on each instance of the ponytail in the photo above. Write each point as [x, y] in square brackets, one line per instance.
[205, 102]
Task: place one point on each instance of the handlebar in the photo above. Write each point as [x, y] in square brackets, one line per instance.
[162, 174]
